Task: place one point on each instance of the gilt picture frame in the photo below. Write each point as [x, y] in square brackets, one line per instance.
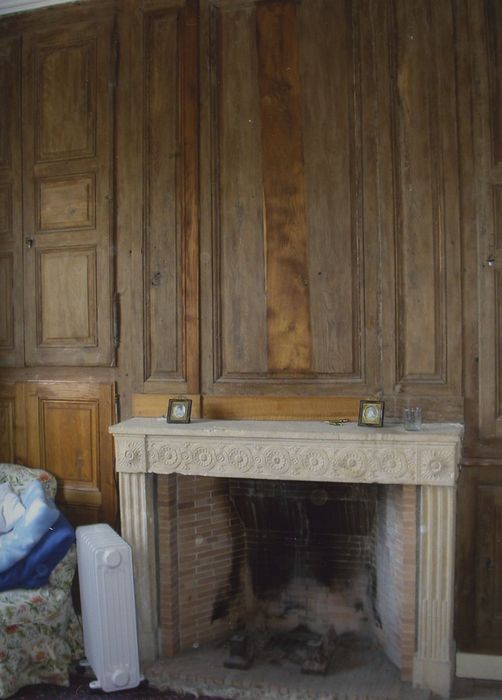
[371, 414]
[179, 410]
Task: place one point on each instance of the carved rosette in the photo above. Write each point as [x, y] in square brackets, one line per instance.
[131, 455]
[397, 464]
[437, 466]
[161, 455]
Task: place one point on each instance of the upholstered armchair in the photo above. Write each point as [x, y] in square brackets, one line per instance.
[40, 636]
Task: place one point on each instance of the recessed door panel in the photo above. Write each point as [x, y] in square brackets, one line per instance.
[67, 297]
[67, 434]
[65, 103]
[66, 203]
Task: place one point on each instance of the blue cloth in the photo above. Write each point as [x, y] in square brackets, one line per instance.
[34, 570]
[39, 516]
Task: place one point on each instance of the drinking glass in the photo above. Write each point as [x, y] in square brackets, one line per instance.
[412, 418]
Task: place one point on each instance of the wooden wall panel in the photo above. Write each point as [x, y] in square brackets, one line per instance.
[478, 610]
[288, 298]
[67, 434]
[334, 174]
[426, 191]
[486, 55]
[171, 196]
[67, 306]
[240, 306]
[11, 269]
[288, 306]
[66, 204]
[7, 423]
[69, 77]
[7, 301]
[65, 76]
[489, 563]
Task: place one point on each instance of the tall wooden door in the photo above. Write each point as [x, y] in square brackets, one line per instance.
[68, 83]
[67, 434]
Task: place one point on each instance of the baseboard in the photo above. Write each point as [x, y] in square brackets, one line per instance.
[480, 666]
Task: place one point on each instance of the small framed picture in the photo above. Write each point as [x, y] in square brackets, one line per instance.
[371, 413]
[179, 410]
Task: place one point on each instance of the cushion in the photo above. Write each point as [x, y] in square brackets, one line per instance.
[34, 570]
[11, 508]
[38, 517]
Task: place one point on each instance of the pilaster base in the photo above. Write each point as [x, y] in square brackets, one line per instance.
[434, 675]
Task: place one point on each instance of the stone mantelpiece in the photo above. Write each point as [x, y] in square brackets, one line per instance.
[306, 451]
[309, 451]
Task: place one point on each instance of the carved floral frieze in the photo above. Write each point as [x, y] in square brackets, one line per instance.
[289, 459]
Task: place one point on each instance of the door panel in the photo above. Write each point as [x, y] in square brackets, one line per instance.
[67, 428]
[7, 422]
[489, 563]
[66, 309]
[11, 269]
[66, 98]
[68, 194]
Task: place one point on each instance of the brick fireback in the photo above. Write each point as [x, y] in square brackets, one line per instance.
[231, 550]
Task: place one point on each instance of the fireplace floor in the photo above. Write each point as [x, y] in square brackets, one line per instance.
[358, 673]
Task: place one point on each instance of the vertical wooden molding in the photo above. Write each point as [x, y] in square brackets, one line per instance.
[190, 106]
[286, 239]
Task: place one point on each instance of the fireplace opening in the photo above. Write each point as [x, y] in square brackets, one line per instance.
[300, 575]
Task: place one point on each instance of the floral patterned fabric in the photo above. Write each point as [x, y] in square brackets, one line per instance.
[40, 636]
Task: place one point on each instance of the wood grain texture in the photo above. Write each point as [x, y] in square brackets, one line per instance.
[287, 271]
[239, 255]
[163, 199]
[7, 302]
[171, 196]
[65, 119]
[66, 280]
[251, 407]
[427, 198]
[485, 19]
[67, 132]
[7, 422]
[337, 180]
[477, 594]
[66, 204]
[333, 155]
[67, 434]
[190, 136]
[313, 408]
[11, 270]
[489, 563]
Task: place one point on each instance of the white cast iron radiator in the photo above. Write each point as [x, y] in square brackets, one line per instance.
[108, 607]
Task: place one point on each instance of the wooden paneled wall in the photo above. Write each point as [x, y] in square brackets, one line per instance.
[257, 203]
[227, 197]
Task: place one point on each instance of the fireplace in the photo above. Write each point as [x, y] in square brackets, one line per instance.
[229, 493]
